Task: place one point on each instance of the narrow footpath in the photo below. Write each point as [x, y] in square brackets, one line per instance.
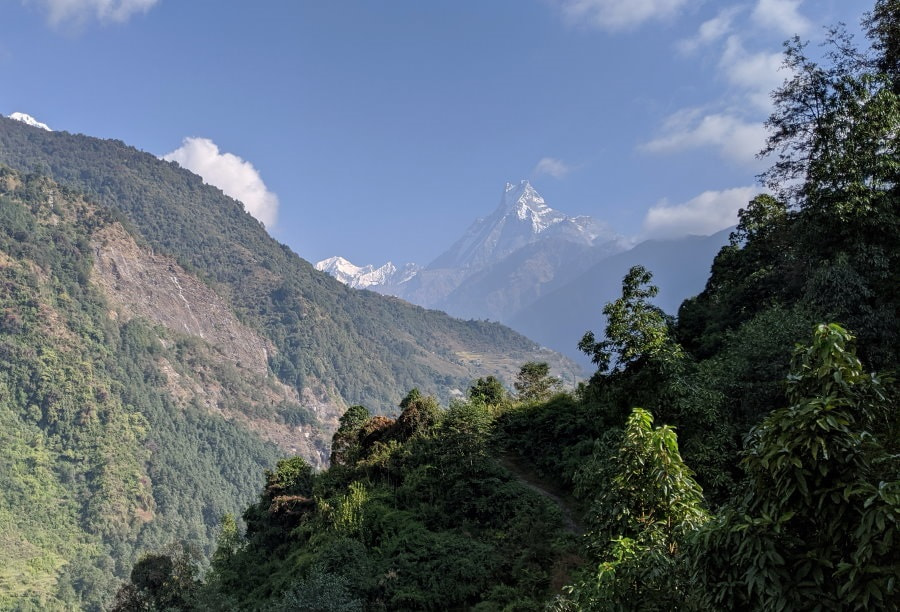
[531, 480]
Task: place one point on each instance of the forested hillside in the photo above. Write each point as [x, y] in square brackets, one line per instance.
[98, 459]
[136, 409]
[742, 456]
[362, 347]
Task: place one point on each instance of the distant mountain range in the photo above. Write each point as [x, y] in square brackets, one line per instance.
[522, 223]
[542, 271]
[366, 276]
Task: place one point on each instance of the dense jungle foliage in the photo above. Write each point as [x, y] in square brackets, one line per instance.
[780, 491]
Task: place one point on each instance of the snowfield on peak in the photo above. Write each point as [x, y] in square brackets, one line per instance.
[29, 120]
[528, 205]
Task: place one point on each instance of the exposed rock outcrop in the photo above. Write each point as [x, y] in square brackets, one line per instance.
[140, 283]
[227, 372]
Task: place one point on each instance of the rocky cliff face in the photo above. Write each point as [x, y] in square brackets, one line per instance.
[224, 364]
[140, 283]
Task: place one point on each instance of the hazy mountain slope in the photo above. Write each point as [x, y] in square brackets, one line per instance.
[500, 290]
[680, 268]
[362, 347]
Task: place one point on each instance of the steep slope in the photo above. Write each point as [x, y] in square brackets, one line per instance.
[115, 434]
[363, 347]
[680, 268]
[232, 378]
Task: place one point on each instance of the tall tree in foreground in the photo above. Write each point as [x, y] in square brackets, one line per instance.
[882, 26]
[646, 503]
[836, 133]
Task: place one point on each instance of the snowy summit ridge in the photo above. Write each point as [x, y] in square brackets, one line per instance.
[528, 205]
[29, 120]
[361, 277]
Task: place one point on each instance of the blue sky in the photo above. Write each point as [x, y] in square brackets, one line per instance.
[380, 130]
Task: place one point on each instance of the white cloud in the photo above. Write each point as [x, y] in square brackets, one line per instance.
[613, 15]
[738, 133]
[80, 11]
[781, 15]
[755, 73]
[705, 214]
[690, 129]
[710, 31]
[234, 176]
[550, 166]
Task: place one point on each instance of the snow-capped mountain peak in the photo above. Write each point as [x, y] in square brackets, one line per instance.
[528, 205]
[522, 218]
[29, 120]
[361, 277]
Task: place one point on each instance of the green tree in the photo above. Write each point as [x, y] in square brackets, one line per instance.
[882, 26]
[487, 391]
[161, 582]
[229, 541]
[534, 383]
[420, 414]
[635, 328]
[320, 591]
[345, 442]
[464, 434]
[285, 501]
[763, 215]
[645, 504]
[292, 476]
[817, 525]
[835, 131]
